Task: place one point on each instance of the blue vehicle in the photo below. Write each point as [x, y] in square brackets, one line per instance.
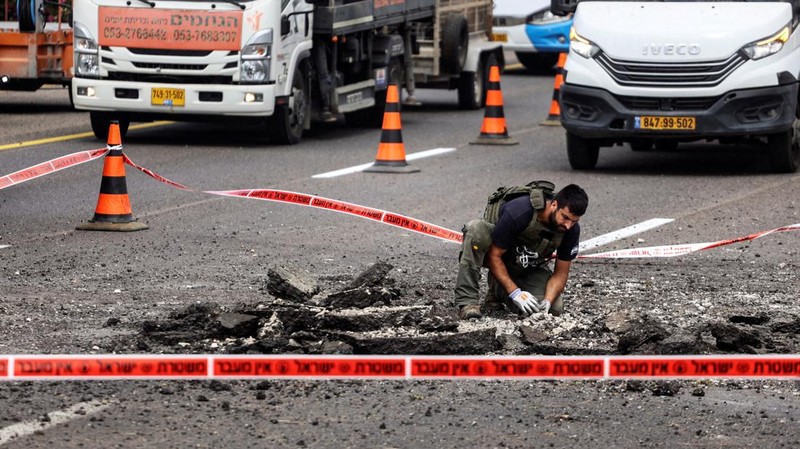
[529, 29]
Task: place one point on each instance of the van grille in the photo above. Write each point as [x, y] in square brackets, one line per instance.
[668, 104]
[669, 74]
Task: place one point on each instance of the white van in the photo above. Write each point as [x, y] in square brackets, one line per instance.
[656, 73]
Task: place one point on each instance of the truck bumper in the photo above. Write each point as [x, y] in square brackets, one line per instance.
[134, 98]
[596, 113]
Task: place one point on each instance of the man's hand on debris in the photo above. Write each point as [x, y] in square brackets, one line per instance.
[524, 301]
[544, 306]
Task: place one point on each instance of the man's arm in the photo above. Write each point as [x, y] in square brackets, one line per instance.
[498, 269]
[557, 282]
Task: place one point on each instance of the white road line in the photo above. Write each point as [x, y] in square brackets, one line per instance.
[620, 234]
[358, 168]
[4, 246]
[77, 411]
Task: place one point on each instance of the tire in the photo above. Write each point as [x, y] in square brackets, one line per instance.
[582, 153]
[537, 62]
[455, 43]
[472, 85]
[26, 13]
[640, 145]
[290, 119]
[784, 150]
[101, 121]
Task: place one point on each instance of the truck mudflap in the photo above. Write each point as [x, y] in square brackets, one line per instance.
[596, 113]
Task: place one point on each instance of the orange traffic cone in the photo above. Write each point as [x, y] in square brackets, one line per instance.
[554, 116]
[113, 211]
[494, 130]
[391, 157]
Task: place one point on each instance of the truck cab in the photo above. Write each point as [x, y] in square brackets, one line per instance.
[658, 73]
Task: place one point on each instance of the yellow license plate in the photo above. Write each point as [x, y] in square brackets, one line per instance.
[665, 123]
[499, 37]
[165, 96]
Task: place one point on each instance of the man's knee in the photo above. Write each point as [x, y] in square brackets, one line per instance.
[557, 308]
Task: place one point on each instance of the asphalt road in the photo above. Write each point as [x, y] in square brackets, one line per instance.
[60, 286]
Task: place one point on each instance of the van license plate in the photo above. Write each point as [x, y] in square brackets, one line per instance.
[664, 123]
[165, 96]
[499, 37]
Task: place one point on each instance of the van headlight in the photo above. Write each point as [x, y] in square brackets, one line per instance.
[768, 46]
[255, 57]
[581, 45]
[86, 53]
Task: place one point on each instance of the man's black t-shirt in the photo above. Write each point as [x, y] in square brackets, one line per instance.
[516, 215]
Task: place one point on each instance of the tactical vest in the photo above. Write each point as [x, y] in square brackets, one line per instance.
[536, 243]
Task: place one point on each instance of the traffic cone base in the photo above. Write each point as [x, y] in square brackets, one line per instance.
[391, 157]
[554, 115]
[493, 129]
[113, 211]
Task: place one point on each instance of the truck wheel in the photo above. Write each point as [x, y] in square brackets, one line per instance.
[101, 121]
[26, 12]
[537, 62]
[582, 153]
[784, 150]
[455, 43]
[472, 85]
[290, 119]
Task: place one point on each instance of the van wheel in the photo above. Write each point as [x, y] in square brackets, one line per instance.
[472, 85]
[101, 121]
[26, 12]
[784, 150]
[582, 153]
[455, 42]
[290, 119]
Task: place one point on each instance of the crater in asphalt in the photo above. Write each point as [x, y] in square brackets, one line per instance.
[376, 314]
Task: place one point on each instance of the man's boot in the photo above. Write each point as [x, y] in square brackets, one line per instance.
[467, 291]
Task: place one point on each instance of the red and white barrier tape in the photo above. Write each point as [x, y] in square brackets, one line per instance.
[302, 199]
[369, 213]
[148, 366]
[680, 250]
[51, 166]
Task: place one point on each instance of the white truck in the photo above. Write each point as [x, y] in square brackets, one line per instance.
[277, 62]
[657, 73]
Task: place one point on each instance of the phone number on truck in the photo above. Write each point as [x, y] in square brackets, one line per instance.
[177, 35]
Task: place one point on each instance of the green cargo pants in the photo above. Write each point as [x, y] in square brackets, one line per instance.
[477, 240]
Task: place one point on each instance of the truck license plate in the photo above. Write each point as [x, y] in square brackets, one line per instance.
[165, 96]
[499, 37]
[664, 123]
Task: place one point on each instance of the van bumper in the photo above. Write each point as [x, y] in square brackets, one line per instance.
[597, 113]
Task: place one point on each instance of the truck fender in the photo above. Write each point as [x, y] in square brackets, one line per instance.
[479, 48]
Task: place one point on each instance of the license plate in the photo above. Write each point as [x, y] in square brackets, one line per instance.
[166, 96]
[664, 123]
[499, 37]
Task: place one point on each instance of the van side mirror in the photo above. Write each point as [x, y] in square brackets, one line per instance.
[285, 27]
[563, 7]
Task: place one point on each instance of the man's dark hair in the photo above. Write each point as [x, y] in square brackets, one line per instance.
[574, 198]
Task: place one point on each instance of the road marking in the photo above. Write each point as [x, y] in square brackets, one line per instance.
[620, 234]
[358, 168]
[30, 143]
[77, 411]
[4, 246]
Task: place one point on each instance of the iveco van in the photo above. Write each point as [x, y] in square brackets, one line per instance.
[658, 73]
